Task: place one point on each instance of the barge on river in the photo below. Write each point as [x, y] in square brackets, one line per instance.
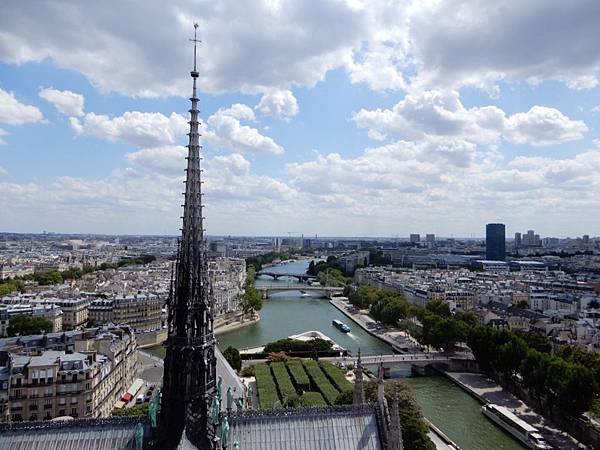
[520, 429]
[340, 326]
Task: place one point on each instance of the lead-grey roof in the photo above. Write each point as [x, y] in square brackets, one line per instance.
[92, 434]
[353, 428]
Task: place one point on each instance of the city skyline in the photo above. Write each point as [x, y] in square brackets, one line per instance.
[330, 118]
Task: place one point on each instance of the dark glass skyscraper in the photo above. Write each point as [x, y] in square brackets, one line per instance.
[495, 242]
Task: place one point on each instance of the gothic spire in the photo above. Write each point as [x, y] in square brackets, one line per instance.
[359, 389]
[190, 363]
[395, 431]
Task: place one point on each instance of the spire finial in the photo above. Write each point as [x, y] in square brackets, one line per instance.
[195, 41]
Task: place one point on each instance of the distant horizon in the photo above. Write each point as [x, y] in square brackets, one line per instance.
[306, 237]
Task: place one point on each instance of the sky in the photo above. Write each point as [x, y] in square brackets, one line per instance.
[339, 118]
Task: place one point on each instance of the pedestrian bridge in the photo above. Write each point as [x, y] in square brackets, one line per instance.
[324, 291]
[387, 361]
[276, 275]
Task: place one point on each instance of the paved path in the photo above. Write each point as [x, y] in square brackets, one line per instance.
[150, 367]
[489, 392]
[398, 339]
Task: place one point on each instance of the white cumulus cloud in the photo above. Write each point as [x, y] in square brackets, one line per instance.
[133, 127]
[543, 126]
[13, 112]
[441, 113]
[67, 102]
[168, 158]
[225, 131]
[278, 103]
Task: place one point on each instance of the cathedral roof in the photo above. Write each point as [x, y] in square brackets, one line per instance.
[92, 434]
[333, 428]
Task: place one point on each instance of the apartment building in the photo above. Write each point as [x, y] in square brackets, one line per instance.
[227, 277]
[80, 374]
[140, 311]
[75, 311]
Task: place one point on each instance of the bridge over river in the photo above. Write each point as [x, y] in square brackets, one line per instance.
[418, 359]
[324, 291]
[302, 277]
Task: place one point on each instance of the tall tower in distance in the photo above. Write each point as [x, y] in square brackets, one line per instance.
[495, 242]
[190, 362]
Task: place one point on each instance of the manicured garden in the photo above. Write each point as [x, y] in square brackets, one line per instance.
[308, 382]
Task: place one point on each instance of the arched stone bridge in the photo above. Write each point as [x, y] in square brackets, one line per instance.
[325, 291]
[302, 277]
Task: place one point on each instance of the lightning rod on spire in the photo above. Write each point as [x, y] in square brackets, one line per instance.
[195, 41]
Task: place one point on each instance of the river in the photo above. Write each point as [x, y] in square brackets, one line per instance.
[288, 313]
[452, 410]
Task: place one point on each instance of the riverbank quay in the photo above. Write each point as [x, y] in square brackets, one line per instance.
[234, 323]
[439, 439]
[487, 391]
[400, 341]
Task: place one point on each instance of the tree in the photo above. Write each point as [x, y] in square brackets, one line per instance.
[47, 278]
[136, 410]
[251, 299]
[523, 304]
[438, 307]
[311, 268]
[23, 325]
[232, 355]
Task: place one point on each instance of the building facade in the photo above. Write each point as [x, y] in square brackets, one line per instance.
[495, 242]
[141, 311]
[79, 374]
[227, 277]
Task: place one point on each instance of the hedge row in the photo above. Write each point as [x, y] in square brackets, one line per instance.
[299, 374]
[282, 378]
[267, 391]
[320, 380]
[336, 375]
[313, 399]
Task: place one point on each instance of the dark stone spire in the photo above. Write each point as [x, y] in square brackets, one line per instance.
[190, 363]
[395, 429]
[359, 389]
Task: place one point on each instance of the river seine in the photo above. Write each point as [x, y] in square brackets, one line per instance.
[446, 405]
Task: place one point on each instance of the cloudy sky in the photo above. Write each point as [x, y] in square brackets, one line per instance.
[370, 118]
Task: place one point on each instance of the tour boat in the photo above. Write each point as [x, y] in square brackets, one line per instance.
[520, 429]
[340, 326]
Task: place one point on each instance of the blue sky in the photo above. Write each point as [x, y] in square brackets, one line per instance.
[329, 117]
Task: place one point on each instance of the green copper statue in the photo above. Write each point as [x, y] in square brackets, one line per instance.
[239, 403]
[219, 390]
[214, 411]
[229, 399]
[224, 432]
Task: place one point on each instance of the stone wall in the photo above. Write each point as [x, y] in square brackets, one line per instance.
[150, 338]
